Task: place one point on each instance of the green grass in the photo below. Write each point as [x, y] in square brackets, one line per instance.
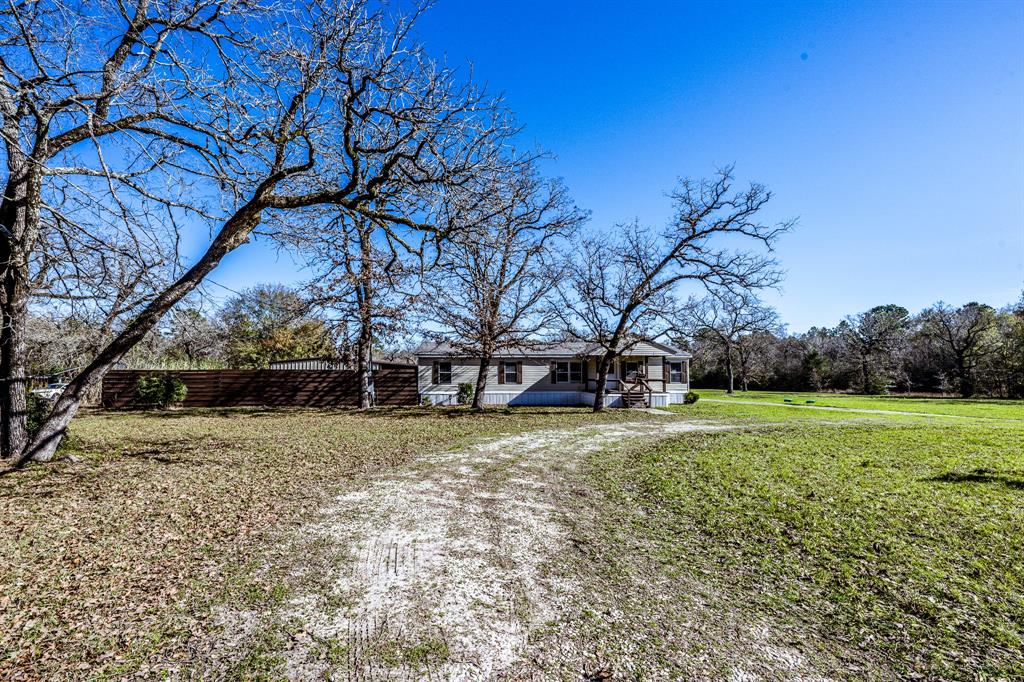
[898, 537]
[974, 407]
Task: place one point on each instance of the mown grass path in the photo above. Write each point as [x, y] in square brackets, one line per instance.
[860, 410]
[962, 407]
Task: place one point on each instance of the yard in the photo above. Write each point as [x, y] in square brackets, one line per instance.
[720, 540]
[973, 407]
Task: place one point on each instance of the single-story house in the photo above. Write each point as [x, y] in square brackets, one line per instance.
[647, 373]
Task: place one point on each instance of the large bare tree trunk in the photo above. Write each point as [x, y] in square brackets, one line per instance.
[233, 234]
[966, 383]
[19, 227]
[602, 380]
[481, 382]
[364, 294]
[365, 362]
[13, 398]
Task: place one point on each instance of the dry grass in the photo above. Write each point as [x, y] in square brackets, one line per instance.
[114, 565]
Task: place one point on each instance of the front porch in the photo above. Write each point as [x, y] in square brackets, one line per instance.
[631, 399]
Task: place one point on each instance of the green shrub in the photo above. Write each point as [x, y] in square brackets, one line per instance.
[691, 398]
[425, 401]
[466, 392]
[38, 409]
[159, 391]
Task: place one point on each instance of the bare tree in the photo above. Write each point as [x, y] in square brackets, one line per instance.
[964, 334]
[97, 103]
[872, 340]
[361, 287]
[755, 353]
[732, 319]
[485, 292]
[336, 107]
[623, 290]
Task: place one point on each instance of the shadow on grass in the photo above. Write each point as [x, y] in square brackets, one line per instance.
[187, 412]
[387, 412]
[469, 413]
[171, 453]
[981, 475]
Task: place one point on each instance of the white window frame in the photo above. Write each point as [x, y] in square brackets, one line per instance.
[672, 372]
[515, 373]
[441, 372]
[568, 372]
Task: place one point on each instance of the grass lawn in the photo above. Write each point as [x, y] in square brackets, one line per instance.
[898, 538]
[119, 562]
[890, 545]
[974, 407]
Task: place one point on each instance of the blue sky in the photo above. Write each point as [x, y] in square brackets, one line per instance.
[894, 132]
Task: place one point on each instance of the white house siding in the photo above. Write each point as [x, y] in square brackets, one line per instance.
[536, 377]
[677, 392]
[536, 387]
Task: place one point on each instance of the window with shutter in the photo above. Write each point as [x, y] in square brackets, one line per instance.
[444, 373]
[510, 373]
[576, 372]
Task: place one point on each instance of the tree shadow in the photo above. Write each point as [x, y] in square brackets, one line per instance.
[387, 411]
[463, 412]
[187, 412]
[171, 453]
[980, 475]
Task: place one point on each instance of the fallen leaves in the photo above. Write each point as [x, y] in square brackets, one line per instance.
[111, 565]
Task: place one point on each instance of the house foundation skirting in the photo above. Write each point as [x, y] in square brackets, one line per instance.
[552, 398]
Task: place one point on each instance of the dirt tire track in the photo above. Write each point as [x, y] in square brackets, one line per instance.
[445, 568]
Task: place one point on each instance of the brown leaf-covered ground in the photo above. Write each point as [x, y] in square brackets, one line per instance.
[114, 565]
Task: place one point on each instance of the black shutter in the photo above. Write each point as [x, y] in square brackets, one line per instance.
[554, 372]
[434, 373]
[519, 372]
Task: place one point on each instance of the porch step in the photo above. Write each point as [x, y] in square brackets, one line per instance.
[634, 400]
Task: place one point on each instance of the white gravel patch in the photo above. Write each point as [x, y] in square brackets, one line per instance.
[451, 554]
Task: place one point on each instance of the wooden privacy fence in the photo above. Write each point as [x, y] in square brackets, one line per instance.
[395, 385]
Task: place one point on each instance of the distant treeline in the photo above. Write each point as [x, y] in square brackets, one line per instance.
[974, 349]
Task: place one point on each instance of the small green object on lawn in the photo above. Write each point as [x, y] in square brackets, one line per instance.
[788, 400]
[810, 402]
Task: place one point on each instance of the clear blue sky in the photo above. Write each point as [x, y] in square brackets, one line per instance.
[894, 132]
